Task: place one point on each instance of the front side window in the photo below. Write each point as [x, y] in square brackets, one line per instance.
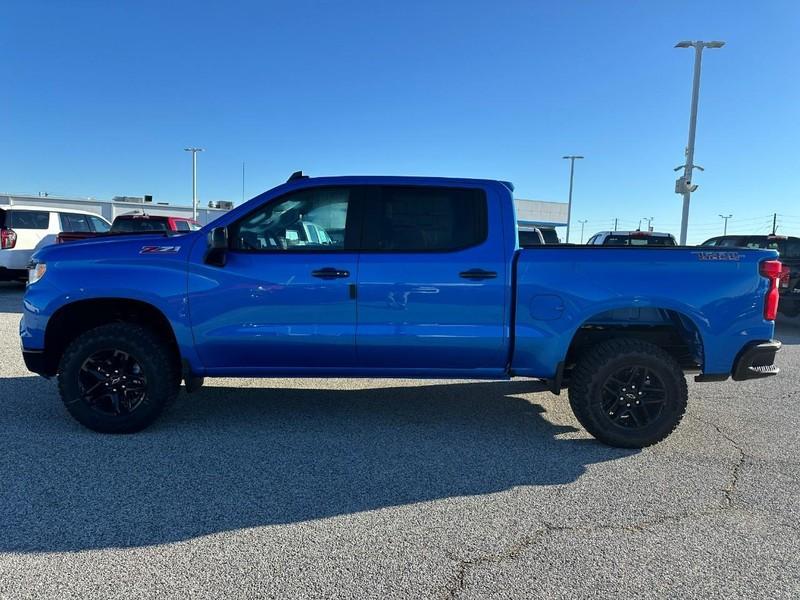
[99, 225]
[182, 226]
[424, 219]
[306, 220]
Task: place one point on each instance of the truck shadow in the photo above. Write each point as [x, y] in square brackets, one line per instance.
[230, 458]
[11, 293]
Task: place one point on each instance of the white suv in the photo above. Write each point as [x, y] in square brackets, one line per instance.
[24, 229]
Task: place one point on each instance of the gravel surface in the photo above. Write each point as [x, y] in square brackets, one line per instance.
[396, 489]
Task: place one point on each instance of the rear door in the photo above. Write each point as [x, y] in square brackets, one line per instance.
[432, 286]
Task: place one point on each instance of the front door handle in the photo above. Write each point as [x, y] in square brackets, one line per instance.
[478, 274]
[330, 273]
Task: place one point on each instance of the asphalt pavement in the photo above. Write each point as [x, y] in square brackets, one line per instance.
[396, 489]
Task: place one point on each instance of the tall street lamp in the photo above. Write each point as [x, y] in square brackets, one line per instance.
[725, 227]
[194, 152]
[572, 160]
[684, 184]
[583, 223]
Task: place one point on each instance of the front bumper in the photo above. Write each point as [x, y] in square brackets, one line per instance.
[35, 362]
[756, 361]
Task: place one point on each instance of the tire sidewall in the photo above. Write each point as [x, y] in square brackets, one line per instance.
[588, 405]
[141, 346]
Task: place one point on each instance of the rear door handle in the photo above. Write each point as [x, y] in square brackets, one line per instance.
[478, 274]
[330, 273]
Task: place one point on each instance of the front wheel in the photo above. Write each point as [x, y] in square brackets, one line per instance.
[117, 378]
[628, 393]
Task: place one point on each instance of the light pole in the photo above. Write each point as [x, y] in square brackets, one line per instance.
[194, 152]
[725, 227]
[684, 184]
[582, 225]
[572, 159]
[649, 221]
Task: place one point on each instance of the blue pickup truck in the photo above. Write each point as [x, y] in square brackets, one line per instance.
[394, 277]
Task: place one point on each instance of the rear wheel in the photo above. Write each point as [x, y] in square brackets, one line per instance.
[628, 393]
[117, 378]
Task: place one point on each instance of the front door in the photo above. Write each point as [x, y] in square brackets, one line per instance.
[285, 299]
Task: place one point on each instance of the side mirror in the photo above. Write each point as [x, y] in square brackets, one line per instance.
[217, 249]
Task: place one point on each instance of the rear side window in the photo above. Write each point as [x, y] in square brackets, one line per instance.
[424, 219]
[74, 223]
[27, 219]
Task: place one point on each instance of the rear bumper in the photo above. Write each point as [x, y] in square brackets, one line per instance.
[756, 360]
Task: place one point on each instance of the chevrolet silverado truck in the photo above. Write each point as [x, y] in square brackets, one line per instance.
[394, 277]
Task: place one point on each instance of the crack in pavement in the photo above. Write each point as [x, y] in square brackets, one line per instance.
[515, 550]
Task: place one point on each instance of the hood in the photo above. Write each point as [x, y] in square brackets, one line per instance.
[118, 247]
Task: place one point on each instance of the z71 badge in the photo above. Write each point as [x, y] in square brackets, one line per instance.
[159, 249]
[717, 255]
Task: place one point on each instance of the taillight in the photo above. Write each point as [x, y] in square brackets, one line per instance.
[772, 270]
[8, 238]
[785, 276]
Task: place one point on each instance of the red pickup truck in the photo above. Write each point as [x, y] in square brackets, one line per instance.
[136, 223]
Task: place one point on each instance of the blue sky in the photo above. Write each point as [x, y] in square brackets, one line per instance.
[100, 98]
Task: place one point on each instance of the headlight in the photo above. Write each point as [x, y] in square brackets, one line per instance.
[35, 272]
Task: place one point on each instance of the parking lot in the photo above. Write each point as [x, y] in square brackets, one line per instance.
[396, 489]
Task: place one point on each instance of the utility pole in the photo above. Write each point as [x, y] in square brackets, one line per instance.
[774, 223]
[582, 225]
[616, 221]
[725, 226]
[194, 152]
[649, 223]
[572, 159]
[684, 184]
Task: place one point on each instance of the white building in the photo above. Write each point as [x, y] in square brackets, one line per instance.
[541, 212]
[109, 209]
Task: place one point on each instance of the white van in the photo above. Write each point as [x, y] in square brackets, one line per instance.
[24, 229]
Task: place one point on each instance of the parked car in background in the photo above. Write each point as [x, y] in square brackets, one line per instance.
[24, 229]
[140, 222]
[632, 238]
[530, 236]
[788, 248]
[550, 235]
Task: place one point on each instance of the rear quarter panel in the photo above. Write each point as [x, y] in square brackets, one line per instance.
[560, 289]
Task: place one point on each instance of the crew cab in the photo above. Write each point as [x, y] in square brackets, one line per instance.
[413, 277]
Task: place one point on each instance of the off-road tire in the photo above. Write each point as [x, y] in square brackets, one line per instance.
[587, 392]
[150, 352]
